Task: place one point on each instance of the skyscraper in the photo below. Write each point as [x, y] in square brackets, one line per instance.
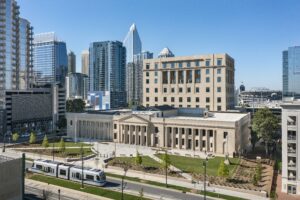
[85, 62]
[15, 40]
[71, 62]
[50, 59]
[134, 78]
[291, 73]
[26, 61]
[133, 45]
[76, 86]
[107, 61]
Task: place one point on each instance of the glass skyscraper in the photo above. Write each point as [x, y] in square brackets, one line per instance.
[71, 62]
[107, 61]
[15, 47]
[50, 59]
[76, 86]
[291, 73]
[133, 43]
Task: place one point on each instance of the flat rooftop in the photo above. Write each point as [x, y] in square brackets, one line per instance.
[224, 117]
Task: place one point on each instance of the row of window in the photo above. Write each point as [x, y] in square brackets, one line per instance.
[207, 71]
[188, 99]
[185, 64]
[180, 90]
[219, 108]
[207, 80]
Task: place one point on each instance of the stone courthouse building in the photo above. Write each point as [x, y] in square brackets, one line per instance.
[164, 126]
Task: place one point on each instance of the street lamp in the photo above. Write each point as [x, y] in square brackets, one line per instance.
[53, 151]
[205, 165]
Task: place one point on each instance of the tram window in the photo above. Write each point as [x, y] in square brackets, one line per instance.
[62, 172]
[78, 176]
[39, 167]
[89, 177]
[98, 178]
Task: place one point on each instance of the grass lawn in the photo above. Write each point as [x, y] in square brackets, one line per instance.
[195, 165]
[70, 144]
[147, 161]
[88, 189]
[74, 152]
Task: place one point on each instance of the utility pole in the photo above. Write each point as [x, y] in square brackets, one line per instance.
[166, 167]
[53, 151]
[205, 165]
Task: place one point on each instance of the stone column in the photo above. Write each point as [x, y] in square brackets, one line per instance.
[179, 138]
[186, 139]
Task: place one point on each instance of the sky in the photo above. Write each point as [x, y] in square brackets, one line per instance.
[253, 32]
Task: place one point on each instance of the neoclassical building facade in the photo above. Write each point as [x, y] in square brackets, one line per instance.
[184, 128]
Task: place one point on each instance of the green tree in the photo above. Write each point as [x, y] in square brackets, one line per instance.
[15, 137]
[141, 194]
[254, 138]
[62, 122]
[32, 138]
[138, 159]
[266, 125]
[62, 145]
[258, 171]
[166, 162]
[45, 143]
[75, 105]
[223, 170]
[254, 180]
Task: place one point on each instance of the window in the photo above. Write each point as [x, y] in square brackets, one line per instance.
[211, 134]
[89, 177]
[147, 74]
[197, 63]
[207, 107]
[180, 99]
[188, 64]
[196, 132]
[156, 66]
[156, 99]
[71, 122]
[176, 141]
[165, 90]
[147, 99]
[219, 108]
[207, 62]
[207, 79]
[165, 99]
[197, 99]
[173, 90]
[147, 66]
[188, 89]
[211, 145]
[218, 79]
[172, 99]
[207, 89]
[180, 106]
[188, 99]
[197, 143]
[225, 135]
[155, 73]
[207, 71]
[180, 65]
[180, 90]
[197, 89]
[204, 134]
[182, 141]
[164, 65]
[172, 65]
[197, 76]
[219, 99]
[207, 100]
[203, 144]
[147, 90]
[147, 81]
[115, 126]
[219, 61]
[63, 172]
[218, 89]
[115, 136]
[218, 71]
[155, 80]
[155, 90]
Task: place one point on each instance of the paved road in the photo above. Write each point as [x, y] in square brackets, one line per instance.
[155, 192]
[36, 194]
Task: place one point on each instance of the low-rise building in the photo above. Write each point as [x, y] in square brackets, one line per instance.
[164, 126]
[291, 147]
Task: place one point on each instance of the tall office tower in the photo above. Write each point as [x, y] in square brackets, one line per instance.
[107, 70]
[290, 147]
[133, 45]
[189, 81]
[26, 54]
[50, 59]
[15, 56]
[71, 62]
[76, 86]
[134, 78]
[85, 62]
[291, 73]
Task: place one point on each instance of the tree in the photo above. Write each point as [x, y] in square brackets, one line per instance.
[254, 180]
[45, 143]
[75, 105]
[223, 170]
[32, 138]
[138, 159]
[254, 138]
[62, 122]
[62, 145]
[166, 162]
[266, 125]
[15, 137]
[258, 171]
[141, 194]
